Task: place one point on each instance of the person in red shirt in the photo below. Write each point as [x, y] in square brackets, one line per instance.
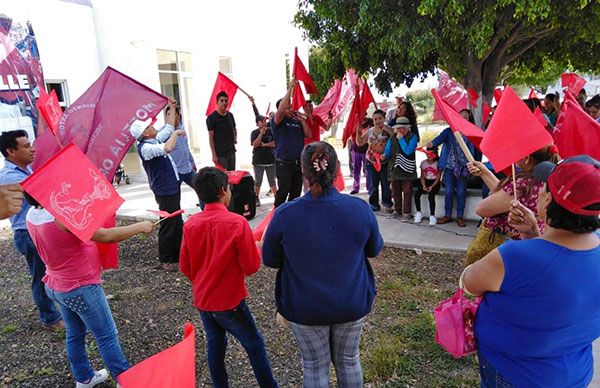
[315, 123]
[217, 253]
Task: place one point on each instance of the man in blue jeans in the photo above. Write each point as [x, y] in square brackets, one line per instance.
[217, 253]
[18, 153]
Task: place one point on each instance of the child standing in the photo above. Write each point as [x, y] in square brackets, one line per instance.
[430, 184]
[217, 253]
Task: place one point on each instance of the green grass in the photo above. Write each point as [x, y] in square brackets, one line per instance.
[401, 351]
[8, 329]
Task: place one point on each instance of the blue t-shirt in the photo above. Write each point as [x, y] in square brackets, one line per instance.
[537, 331]
[320, 246]
[289, 139]
[11, 173]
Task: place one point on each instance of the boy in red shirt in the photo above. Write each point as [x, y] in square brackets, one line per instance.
[217, 253]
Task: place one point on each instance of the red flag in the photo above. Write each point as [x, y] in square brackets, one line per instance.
[259, 230]
[377, 162]
[452, 92]
[298, 100]
[572, 82]
[428, 153]
[576, 132]
[513, 133]
[366, 97]
[222, 84]
[165, 214]
[540, 116]
[532, 94]
[473, 96]
[485, 112]
[327, 104]
[354, 118]
[235, 177]
[457, 122]
[339, 182]
[109, 253]
[497, 95]
[300, 74]
[173, 367]
[48, 106]
[74, 191]
[98, 122]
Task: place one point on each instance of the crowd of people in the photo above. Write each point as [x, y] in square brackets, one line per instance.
[540, 311]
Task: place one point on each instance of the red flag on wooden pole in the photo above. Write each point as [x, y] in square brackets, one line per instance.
[473, 96]
[298, 100]
[328, 103]
[74, 191]
[301, 74]
[222, 84]
[458, 123]
[173, 367]
[514, 132]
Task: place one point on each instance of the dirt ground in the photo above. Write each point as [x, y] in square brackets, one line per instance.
[151, 306]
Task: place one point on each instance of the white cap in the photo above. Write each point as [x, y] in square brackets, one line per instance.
[138, 127]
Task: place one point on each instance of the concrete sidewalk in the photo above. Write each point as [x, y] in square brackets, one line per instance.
[448, 237]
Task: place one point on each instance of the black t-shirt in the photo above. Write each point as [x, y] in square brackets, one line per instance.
[224, 136]
[263, 155]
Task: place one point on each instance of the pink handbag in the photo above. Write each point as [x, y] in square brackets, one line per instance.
[455, 323]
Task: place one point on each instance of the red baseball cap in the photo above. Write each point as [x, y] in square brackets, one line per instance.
[574, 183]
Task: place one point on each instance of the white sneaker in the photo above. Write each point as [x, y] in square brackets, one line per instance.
[432, 220]
[99, 377]
[418, 217]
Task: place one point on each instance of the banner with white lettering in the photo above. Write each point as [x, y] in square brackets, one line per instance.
[21, 76]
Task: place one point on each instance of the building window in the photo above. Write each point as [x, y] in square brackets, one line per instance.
[175, 74]
[61, 90]
[225, 65]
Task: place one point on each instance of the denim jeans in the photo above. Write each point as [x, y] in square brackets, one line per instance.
[374, 179]
[86, 308]
[48, 312]
[240, 323]
[452, 184]
[490, 378]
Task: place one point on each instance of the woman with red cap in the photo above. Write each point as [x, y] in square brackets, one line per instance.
[541, 312]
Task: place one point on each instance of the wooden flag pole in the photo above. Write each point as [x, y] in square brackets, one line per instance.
[463, 146]
[514, 179]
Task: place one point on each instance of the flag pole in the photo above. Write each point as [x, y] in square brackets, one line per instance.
[463, 146]
[514, 179]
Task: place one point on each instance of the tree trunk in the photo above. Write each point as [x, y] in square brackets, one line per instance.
[474, 81]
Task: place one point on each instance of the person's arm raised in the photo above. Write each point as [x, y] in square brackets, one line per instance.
[170, 144]
[284, 104]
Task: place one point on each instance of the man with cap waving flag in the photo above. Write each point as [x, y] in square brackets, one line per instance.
[164, 183]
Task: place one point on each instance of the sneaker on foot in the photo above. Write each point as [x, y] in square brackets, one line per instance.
[99, 377]
[406, 218]
[418, 217]
[354, 192]
[432, 220]
[388, 209]
[391, 215]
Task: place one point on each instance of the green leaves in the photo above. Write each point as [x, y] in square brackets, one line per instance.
[399, 41]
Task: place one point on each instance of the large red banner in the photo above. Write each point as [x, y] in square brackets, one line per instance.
[74, 191]
[452, 92]
[21, 76]
[98, 122]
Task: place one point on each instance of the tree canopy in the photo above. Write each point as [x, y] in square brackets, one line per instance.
[476, 41]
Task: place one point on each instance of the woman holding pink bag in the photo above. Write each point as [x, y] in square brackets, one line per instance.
[541, 307]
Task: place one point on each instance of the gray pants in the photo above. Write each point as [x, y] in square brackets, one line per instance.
[320, 345]
[259, 172]
[228, 161]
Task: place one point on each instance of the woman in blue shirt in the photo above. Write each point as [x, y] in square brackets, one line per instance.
[325, 285]
[541, 307]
